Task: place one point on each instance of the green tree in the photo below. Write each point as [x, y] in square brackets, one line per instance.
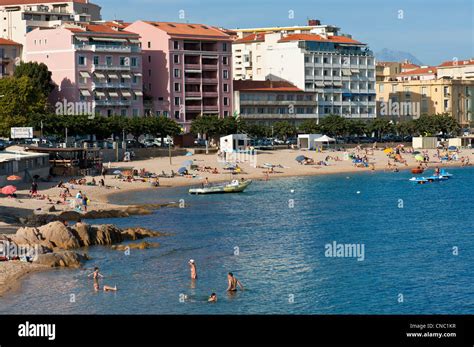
[208, 125]
[356, 127]
[284, 129]
[18, 102]
[39, 75]
[309, 126]
[334, 125]
[380, 127]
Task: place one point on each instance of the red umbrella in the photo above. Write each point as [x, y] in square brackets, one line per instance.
[13, 178]
[8, 190]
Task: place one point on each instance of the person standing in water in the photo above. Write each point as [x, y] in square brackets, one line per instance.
[192, 267]
[96, 275]
[233, 283]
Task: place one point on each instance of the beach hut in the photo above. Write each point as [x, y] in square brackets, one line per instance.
[306, 141]
[424, 142]
[324, 140]
[234, 142]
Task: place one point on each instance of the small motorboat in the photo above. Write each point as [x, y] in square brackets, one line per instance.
[417, 171]
[233, 187]
[445, 174]
[436, 178]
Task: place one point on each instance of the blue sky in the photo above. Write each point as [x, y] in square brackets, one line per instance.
[432, 30]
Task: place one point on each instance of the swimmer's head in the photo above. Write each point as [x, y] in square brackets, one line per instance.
[230, 274]
[96, 269]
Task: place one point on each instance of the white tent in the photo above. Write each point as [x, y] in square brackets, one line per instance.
[325, 138]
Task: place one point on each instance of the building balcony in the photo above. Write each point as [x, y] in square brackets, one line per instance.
[108, 48]
[210, 107]
[277, 103]
[192, 80]
[105, 67]
[210, 80]
[210, 94]
[264, 116]
[193, 107]
[105, 85]
[211, 67]
[193, 94]
[112, 102]
[193, 67]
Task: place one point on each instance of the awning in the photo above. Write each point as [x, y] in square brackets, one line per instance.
[137, 93]
[138, 74]
[101, 94]
[99, 75]
[319, 84]
[85, 92]
[355, 70]
[126, 75]
[346, 72]
[81, 38]
[113, 94]
[84, 74]
[114, 76]
[126, 94]
[109, 39]
[337, 84]
[328, 84]
[134, 41]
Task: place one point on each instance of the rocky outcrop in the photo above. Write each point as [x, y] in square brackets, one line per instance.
[63, 259]
[52, 242]
[139, 245]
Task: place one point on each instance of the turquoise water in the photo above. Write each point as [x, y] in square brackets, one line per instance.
[408, 251]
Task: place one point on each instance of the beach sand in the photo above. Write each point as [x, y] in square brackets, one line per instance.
[11, 209]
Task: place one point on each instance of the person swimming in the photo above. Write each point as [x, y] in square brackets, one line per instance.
[212, 298]
[233, 283]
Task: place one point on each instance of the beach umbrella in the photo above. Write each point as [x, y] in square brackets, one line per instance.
[452, 148]
[117, 172]
[419, 157]
[300, 158]
[188, 154]
[268, 165]
[416, 152]
[182, 170]
[13, 178]
[8, 190]
[187, 163]
[388, 150]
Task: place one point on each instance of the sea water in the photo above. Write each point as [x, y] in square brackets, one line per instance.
[294, 243]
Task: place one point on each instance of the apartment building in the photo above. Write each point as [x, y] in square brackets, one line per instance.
[10, 52]
[265, 102]
[187, 70]
[425, 90]
[19, 17]
[457, 69]
[92, 64]
[337, 68]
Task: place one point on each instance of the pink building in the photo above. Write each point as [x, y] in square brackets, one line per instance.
[92, 64]
[187, 70]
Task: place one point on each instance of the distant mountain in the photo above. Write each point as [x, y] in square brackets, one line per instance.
[389, 55]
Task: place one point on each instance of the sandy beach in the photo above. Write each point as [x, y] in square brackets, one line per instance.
[285, 165]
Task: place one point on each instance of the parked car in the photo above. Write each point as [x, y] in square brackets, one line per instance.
[134, 144]
[200, 142]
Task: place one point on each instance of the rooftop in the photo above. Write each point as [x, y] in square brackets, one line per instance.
[257, 37]
[261, 86]
[6, 42]
[429, 70]
[453, 63]
[319, 38]
[98, 29]
[34, 2]
[189, 29]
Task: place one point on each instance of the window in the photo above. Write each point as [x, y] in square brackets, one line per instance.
[149, 44]
[123, 112]
[82, 60]
[394, 88]
[225, 60]
[177, 73]
[177, 87]
[176, 44]
[446, 91]
[176, 114]
[177, 101]
[446, 104]
[423, 91]
[224, 46]
[149, 58]
[226, 87]
[134, 79]
[225, 74]
[226, 101]
[123, 61]
[325, 60]
[226, 113]
[149, 72]
[176, 59]
[96, 60]
[135, 112]
[108, 61]
[134, 61]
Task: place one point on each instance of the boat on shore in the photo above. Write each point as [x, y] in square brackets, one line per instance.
[417, 171]
[233, 187]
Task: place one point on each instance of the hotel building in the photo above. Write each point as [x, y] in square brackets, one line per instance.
[448, 88]
[187, 70]
[19, 17]
[92, 63]
[265, 102]
[339, 70]
[10, 52]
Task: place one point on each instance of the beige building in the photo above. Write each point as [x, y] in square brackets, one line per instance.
[10, 52]
[19, 17]
[413, 93]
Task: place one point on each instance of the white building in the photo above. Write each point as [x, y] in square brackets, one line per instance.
[234, 142]
[19, 17]
[339, 69]
[462, 69]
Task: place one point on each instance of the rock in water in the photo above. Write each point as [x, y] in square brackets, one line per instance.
[83, 233]
[139, 245]
[63, 259]
[59, 235]
[107, 234]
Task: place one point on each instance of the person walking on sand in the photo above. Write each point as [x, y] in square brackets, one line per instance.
[233, 283]
[34, 189]
[85, 201]
[193, 269]
[103, 172]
